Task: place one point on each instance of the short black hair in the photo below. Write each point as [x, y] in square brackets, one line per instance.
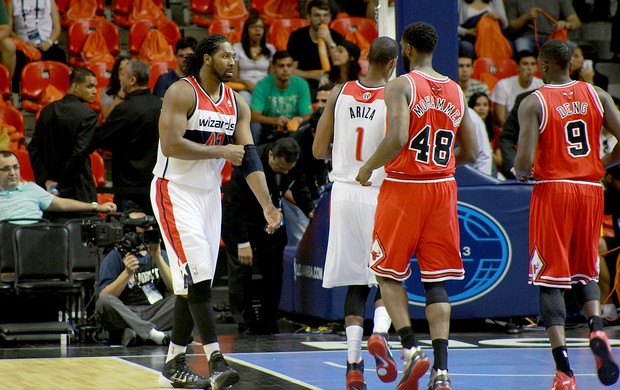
[522, 54]
[382, 50]
[209, 45]
[422, 36]
[286, 148]
[326, 87]
[320, 4]
[556, 52]
[7, 153]
[279, 55]
[79, 75]
[187, 42]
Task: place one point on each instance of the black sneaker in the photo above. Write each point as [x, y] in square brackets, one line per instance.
[178, 375]
[129, 337]
[222, 375]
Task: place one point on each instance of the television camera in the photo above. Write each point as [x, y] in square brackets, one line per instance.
[120, 232]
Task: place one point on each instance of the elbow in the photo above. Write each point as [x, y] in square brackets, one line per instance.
[168, 149]
[471, 156]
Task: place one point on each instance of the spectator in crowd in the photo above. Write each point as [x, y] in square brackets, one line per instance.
[247, 242]
[508, 88]
[484, 162]
[303, 46]
[345, 66]
[583, 70]
[523, 16]
[7, 46]
[113, 95]
[470, 12]
[183, 47]
[609, 260]
[509, 136]
[134, 289]
[130, 132]
[253, 55]
[468, 85]
[481, 104]
[28, 200]
[314, 170]
[278, 99]
[36, 22]
[61, 140]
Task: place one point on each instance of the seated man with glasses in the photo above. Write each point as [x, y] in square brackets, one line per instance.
[28, 201]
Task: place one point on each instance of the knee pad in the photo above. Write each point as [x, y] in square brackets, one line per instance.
[586, 292]
[355, 301]
[436, 293]
[552, 308]
[199, 292]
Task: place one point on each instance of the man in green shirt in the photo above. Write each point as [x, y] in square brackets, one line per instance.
[280, 101]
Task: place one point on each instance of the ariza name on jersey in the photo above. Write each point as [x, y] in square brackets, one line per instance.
[362, 112]
[430, 102]
[566, 109]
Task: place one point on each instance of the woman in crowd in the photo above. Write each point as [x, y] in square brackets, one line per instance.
[112, 94]
[481, 103]
[581, 69]
[345, 66]
[253, 55]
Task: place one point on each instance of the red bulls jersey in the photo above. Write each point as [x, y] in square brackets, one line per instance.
[568, 144]
[436, 109]
[211, 123]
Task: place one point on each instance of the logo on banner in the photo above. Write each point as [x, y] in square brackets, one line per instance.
[486, 252]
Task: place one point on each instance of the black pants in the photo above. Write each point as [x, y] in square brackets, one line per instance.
[268, 252]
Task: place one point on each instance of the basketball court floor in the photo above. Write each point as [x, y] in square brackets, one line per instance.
[487, 359]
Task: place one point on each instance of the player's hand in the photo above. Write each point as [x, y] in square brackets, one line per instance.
[245, 255]
[274, 219]
[131, 263]
[363, 175]
[234, 153]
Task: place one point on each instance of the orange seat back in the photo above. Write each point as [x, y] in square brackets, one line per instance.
[97, 165]
[12, 116]
[157, 69]
[80, 30]
[361, 31]
[5, 83]
[230, 9]
[25, 168]
[156, 48]
[280, 30]
[279, 9]
[232, 29]
[226, 173]
[123, 11]
[203, 7]
[41, 79]
[139, 31]
[497, 67]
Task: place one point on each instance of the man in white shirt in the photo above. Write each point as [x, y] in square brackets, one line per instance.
[507, 89]
[484, 162]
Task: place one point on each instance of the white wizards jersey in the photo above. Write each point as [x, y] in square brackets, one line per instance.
[360, 124]
[212, 124]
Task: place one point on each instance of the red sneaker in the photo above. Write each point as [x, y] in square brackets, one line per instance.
[564, 382]
[355, 376]
[606, 367]
[380, 350]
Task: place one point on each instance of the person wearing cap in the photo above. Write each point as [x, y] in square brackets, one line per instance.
[345, 64]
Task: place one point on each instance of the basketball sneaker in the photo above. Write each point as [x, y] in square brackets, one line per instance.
[440, 380]
[222, 375]
[380, 350]
[416, 365]
[355, 376]
[606, 367]
[564, 382]
[176, 374]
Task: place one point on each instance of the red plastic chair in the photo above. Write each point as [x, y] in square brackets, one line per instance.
[232, 29]
[103, 72]
[361, 31]
[272, 10]
[280, 30]
[122, 11]
[138, 32]
[97, 165]
[12, 116]
[498, 67]
[78, 32]
[25, 168]
[5, 83]
[230, 10]
[36, 76]
[257, 6]
[157, 69]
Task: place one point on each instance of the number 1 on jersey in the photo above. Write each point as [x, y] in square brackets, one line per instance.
[358, 144]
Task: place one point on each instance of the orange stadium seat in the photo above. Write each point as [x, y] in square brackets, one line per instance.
[125, 15]
[12, 116]
[43, 82]
[98, 167]
[491, 70]
[157, 69]
[139, 30]
[279, 9]
[5, 83]
[230, 9]
[257, 6]
[200, 9]
[280, 30]
[78, 33]
[25, 168]
[361, 31]
[232, 29]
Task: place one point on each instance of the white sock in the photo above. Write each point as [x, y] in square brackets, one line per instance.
[354, 343]
[382, 320]
[156, 336]
[609, 310]
[174, 350]
[210, 348]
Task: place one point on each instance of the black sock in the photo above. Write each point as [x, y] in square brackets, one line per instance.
[407, 337]
[440, 353]
[595, 323]
[183, 323]
[560, 355]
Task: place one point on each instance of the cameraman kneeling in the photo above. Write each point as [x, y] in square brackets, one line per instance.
[134, 291]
